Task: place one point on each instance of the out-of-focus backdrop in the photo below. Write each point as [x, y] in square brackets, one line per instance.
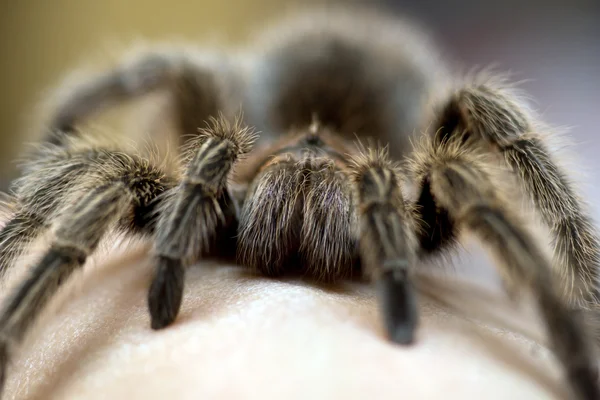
[554, 43]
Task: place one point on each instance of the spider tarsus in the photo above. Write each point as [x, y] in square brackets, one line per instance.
[166, 292]
[397, 299]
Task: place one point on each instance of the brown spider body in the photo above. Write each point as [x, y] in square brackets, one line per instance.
[308, 198]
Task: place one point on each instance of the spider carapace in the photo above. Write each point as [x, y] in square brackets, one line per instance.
[311, 191]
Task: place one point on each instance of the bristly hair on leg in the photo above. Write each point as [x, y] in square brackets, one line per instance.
[241, 136]
[461, 184]
[493, 113]
[386, 239]
[193, 215]
[300, 203]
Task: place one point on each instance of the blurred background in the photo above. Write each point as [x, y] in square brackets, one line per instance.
[554, 43]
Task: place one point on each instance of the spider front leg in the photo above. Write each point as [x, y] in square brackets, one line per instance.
[387, 243]
[491, 113]
[49, 175]
[76, 237]
[118, 189]
[459, 183]
[193, 213]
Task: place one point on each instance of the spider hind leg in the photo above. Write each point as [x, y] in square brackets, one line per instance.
[110, 198]
[57, 173]
[491, 113]
[461, 183]
[199, 85]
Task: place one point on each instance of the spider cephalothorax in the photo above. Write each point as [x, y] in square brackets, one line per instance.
[308, 198]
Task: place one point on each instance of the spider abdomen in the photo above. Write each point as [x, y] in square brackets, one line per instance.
[367, 77]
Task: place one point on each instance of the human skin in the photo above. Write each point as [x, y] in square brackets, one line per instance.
[240, 336]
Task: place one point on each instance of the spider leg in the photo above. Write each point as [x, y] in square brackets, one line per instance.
[493, 114]
[19, 231]
[50, 177]
[38, 195]
[121, 189]
[387, 243]
[197, 90]
[460, 184]
[53, 168]
[77, 235]
[190, 218]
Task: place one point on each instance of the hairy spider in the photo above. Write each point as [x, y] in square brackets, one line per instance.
[309, 198]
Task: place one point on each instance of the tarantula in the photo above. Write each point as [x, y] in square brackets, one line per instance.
[309, 198]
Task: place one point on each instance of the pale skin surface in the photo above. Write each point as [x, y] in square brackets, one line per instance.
[240, 336]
